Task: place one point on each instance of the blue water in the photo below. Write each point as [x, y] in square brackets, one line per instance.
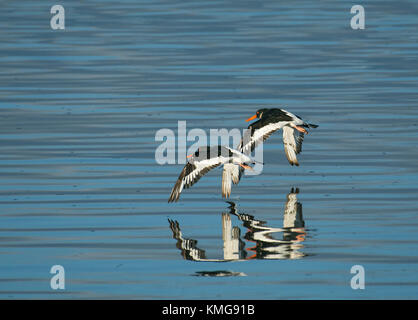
[80, 187]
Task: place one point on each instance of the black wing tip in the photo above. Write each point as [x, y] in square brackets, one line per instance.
[171, 200]
[173, 223]
[174, 196]
[311, 125]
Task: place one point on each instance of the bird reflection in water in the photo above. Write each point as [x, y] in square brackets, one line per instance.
[259, 238]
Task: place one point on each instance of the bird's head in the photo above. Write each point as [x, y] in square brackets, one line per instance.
[258, 114]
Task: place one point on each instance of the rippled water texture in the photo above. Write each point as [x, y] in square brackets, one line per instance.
[80, 187]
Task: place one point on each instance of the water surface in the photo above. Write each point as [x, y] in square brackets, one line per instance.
[80, 187]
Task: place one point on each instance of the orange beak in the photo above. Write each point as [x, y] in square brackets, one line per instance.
[190, 155]
[252, 118]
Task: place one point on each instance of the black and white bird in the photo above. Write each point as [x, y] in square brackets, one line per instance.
[207, 158]
[271, 120]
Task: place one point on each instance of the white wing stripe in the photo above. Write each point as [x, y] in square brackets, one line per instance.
[289, 144]
[262, 134]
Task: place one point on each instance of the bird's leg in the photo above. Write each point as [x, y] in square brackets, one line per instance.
[246, 167]
[300, 129]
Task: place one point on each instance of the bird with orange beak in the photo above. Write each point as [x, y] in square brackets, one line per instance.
[207, 158]
[271, 120]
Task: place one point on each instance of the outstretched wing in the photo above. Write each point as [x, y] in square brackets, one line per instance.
[230, 174]
[191, 174]
[292, 141]
[258, 132]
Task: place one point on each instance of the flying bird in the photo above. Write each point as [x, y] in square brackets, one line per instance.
[271, 120]
[205, 159]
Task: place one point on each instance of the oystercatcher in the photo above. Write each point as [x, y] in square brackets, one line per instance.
[271, 120]
[205, 159]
